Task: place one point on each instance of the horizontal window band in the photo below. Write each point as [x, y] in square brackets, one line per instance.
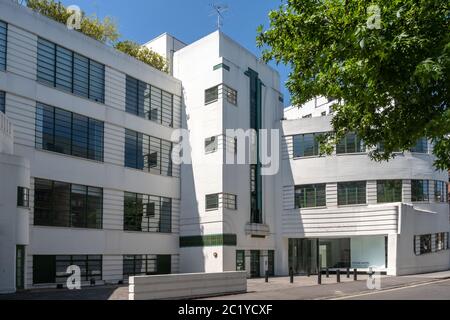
[208, 240]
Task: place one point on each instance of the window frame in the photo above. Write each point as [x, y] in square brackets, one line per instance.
[23, 197]
[215, 202]
[211, 141]
[423, 197]
[346, 187]
[3, 45]
[300, 191]
[386, 193]
[60, 210]
[358, 145]
[140, 204]
[54, 128]
[50, 55]
[298, 142]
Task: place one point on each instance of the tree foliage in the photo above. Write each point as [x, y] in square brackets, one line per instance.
[102, 30]
[143, 54]
[388, 66]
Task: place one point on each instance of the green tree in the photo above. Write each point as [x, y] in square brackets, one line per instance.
[102, 30]
[143, 54]
[386, 62]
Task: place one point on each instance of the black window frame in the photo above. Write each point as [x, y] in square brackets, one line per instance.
[56, 266]
[62, 68]
[140, 152]
[212, 95]
[212, 202]
[55, 131]
[149, 102]
[54, 205]
[23, 197]
[153, 264]
[157, 210]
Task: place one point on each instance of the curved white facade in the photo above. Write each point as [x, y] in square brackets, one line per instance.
[380, 235]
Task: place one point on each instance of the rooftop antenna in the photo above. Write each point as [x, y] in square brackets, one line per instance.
[219, 9]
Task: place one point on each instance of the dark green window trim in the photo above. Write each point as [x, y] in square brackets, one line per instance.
[389, 191]
[211, 240]
[221, 65]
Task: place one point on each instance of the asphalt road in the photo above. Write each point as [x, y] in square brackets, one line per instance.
[437, 290]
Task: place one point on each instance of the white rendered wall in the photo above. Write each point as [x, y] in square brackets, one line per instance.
[22, 94]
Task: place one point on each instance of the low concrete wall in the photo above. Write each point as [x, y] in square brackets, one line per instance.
[188, 285]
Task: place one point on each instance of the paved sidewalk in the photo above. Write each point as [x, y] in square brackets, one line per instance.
[278, 288]
[305, 288]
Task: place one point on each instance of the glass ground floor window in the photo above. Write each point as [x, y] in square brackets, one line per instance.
[146, 264]
[53, 269]
[307, 256]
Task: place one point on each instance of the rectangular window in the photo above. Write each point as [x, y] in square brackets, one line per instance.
[351, 193]
[419, 190]
[59, 204]
[229, 201]
[148, 153]
[350, 143]
[149, 102]
[421, 146]
[389, 191]
[211, 95]
[65, 132]
[441, 241]
[240, 260]
[146, 264]
[23, 197]
[147, 213]
[230, 94]
[67, 70]
[212, 201]
[425, 243]
[440, 191]
[306, 145]
[53, 269]
[211, 144]
[2, 102]
[3, 44]
[308, 196]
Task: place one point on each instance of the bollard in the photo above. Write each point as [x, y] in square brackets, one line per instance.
[267, 275]
[291, 275]
[338, 275]
[327, 272]
[355, 274]
[319, 277]
[370, 272]
[308, 273]
[348, 272]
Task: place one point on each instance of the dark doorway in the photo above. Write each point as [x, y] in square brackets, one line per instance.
[20, 267]
[254, 264]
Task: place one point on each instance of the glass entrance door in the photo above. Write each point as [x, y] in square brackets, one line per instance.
[303, 255]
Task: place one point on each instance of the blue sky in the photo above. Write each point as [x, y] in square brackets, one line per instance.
[188, 20]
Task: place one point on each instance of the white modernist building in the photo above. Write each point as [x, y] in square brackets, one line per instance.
[87, 177]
